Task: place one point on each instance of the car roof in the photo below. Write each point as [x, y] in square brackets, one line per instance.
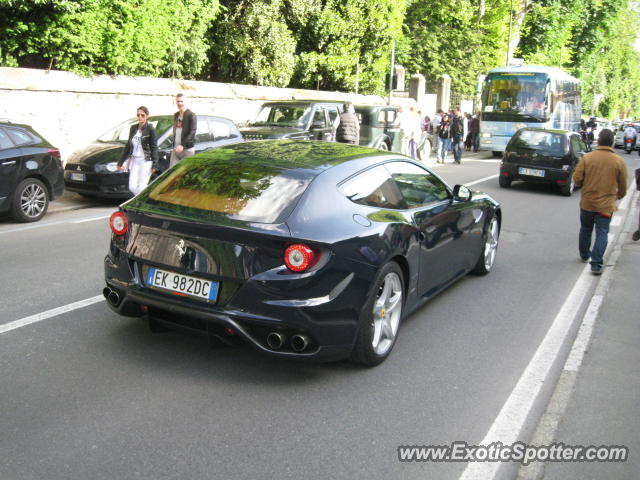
[549, 130]
[313, 156]
[303, 102]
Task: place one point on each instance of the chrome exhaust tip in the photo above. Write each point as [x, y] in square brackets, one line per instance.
[299, 343]
[113, 298]
[275, 340]
[105, 292]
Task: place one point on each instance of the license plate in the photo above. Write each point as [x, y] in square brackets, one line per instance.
[531, 171]
[182, 285]
[78, 177]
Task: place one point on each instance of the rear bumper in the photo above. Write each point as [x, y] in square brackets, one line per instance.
[555, 176]
[250, 315]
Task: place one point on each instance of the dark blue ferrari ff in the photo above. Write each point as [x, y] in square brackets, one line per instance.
[298, 248]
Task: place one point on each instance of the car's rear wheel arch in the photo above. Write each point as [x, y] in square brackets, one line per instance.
[404, 266]
[45, 181]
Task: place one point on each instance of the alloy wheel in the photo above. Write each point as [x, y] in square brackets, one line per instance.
[387, 310]
[33, 200]
[491, 244]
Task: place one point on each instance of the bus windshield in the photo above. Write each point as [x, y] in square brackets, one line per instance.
[515, 97]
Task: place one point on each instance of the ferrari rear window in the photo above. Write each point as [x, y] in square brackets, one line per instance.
[240, 190]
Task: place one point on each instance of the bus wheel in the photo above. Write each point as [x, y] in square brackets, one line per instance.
[496, 153]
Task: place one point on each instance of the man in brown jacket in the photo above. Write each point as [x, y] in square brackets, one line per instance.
[603, 177]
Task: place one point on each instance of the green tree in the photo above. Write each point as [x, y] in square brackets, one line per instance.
[143, 37]
[252, 44]
[460, 38]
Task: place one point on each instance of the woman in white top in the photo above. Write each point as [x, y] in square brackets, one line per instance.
[140, 155]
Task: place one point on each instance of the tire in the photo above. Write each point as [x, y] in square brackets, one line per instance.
[30, 201]
[496, 153]
[505, 182]
[380, 317]
[568, 189]
[487, 256]
[384, 146]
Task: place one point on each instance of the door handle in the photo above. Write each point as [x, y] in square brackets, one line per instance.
[11, 162]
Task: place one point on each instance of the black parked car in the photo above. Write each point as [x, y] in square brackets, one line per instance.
[542, 156]
[300, 249]
[379, 126]
[294, 120]
[31, 172]
[93, 171]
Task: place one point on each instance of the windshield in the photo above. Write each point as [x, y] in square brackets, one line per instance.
[515, 97]
[287, 115]
[245, 191]
[550, 143]
[120, 134]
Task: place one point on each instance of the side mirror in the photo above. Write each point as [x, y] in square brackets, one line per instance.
[461, 193]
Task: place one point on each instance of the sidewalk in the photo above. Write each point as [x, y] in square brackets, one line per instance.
[74, 201]
[602, 408]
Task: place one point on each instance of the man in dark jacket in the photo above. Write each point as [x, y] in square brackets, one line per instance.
[349, 127]
[185, 124]
[457, 135]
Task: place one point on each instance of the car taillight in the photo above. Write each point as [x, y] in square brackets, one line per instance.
[119, 223]
[54, 152]
[300, 257]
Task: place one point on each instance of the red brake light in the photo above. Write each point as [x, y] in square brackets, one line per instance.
[299, 257]
[54, 152]
[119, 223]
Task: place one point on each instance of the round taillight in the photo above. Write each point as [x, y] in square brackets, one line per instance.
[299, 257]
[118, 223]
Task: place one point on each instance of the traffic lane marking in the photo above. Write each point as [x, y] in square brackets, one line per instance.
[54, 312]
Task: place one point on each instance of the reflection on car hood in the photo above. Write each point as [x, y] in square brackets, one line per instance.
[97, 153]
[269, 132]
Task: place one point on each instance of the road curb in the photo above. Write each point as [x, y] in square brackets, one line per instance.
[547, 428]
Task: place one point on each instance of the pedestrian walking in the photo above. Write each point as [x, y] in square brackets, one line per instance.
[414, 132]
[444, 138]
[435, 123]
[457, 135]
[348, 130]
[603, 177]
[140, 154]
[424, 146]
[185, 124]
[405, 127]
[474, 131]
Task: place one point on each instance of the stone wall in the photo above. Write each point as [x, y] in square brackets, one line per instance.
[70, 111]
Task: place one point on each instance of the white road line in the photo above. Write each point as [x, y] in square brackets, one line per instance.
[509, 423]
[48, 224]
[511, 420]
[91, 219]
[490, 177]
[38, 317]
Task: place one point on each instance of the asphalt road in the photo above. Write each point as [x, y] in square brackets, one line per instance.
[89, 394]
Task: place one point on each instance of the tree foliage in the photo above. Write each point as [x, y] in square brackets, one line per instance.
[331, 44]
[143, 37]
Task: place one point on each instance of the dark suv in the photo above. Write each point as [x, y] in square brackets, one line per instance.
[31, 172]
[542, 156]
[297, 119]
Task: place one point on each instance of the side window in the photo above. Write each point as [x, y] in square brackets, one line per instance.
[374, 188]
[576, 145]
[5, 141]
[418, 186]
[221, 130]
[202, 131]
[319, 120]
[333, 114]
[19, 137]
